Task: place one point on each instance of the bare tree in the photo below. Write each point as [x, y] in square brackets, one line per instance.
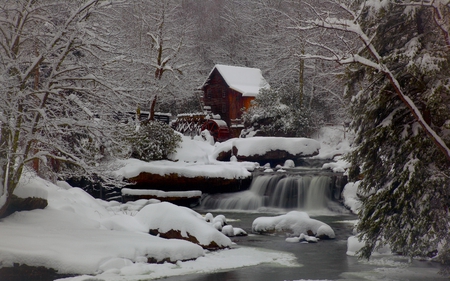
[156, 46]
[54, 87]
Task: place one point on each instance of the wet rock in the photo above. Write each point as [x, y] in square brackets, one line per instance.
[24, 272]
[18, 204]
[176, 234]
[175, 182]
[180, 198]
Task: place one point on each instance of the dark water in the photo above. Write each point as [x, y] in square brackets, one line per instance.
[271, 195]
[326, 260]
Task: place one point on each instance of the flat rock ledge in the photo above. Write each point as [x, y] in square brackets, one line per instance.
[175, 182]
[180, 198]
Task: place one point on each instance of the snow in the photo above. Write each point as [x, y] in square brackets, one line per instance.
[78, 234]
[248, 81]
[197, 158]
[340, 166]
[261, 145]
[166, 216]
[194, 158]
[289, 164]
[211, 262]
[133, 167]
[161, 194]
[350, 195]
[302, 238]
[354, 245]
[109, 241]
[334, 140]
[72, 227]
[295, 222]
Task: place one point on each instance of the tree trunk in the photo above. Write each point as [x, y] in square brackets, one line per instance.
[151, 116]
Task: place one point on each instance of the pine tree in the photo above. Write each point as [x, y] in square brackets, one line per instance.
[405, 176]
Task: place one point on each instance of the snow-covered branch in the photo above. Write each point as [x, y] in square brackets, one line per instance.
[442, 20]
[376, 62]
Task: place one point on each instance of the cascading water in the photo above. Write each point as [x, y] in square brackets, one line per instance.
[276, 191]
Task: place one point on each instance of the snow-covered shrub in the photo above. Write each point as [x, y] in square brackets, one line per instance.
[153, 141]
[276, 113]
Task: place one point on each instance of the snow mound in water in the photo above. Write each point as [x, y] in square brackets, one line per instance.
[166, 217]
[294, 222]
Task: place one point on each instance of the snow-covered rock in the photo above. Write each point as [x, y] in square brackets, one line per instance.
[266, 149]
[231, 231]
[289, 164]
[350, 195]
[220, 219]
[294, 223]
[302, 238]
[209, 217]
[354, 245]
[228, 230]
[340, 166]
[170, 221]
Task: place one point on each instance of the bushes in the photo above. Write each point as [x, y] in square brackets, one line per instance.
[152, 140]
[277, 113]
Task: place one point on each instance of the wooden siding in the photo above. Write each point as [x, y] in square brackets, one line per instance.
[223, 100]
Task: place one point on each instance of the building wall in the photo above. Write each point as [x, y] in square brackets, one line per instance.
[223, 100]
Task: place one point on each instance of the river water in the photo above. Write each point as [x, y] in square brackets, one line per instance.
[325, 260]
[275, 194]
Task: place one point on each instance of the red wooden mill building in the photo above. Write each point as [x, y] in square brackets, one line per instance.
[229, 89]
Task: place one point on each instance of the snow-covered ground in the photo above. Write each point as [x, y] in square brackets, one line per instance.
[77, 234]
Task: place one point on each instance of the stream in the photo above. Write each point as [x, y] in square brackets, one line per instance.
[275, 194]
[325, 260]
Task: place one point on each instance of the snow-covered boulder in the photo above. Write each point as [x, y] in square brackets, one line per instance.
[289, 164]
[208, 177]
[26, 199]
[231, 231]
[294, 223]
[354, 245]
[351, 199]
[302, 238]
[170, 221]
[274, 150]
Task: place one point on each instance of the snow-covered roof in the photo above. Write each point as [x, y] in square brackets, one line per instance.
[245, 80]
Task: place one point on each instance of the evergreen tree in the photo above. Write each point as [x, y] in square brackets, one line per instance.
[405, 175]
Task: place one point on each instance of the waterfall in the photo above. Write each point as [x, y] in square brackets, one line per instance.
[276, 191]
